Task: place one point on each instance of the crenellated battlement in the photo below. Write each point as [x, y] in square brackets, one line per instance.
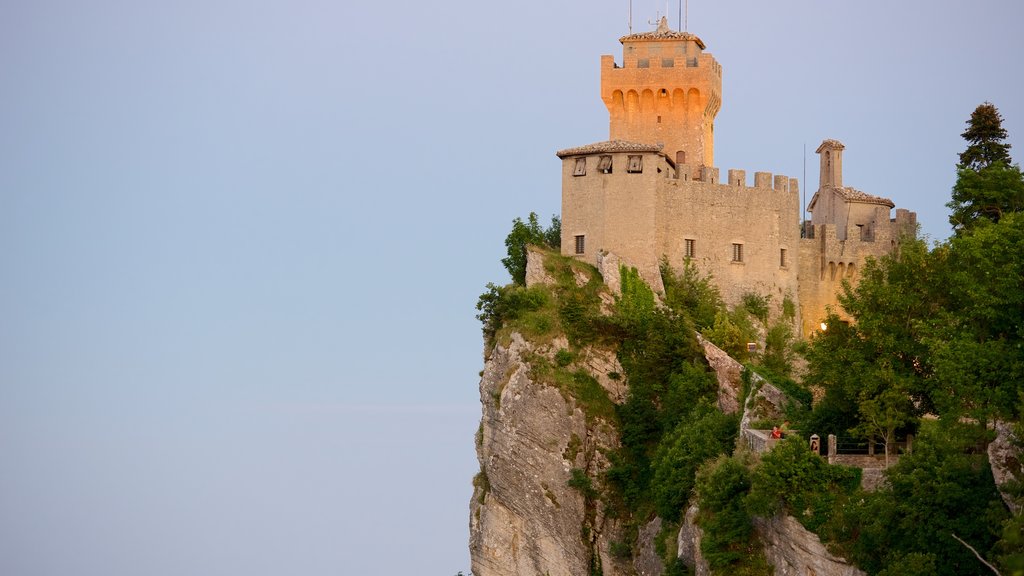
[667, 90]
[653, 194]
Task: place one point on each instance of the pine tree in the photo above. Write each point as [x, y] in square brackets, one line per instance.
[988, 185]
[985, 134]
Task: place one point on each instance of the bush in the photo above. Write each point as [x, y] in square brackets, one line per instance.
[794, 480]
[691, 294]
[524, 234]
[757, 305]
[502, 304]
[707, 433]
[728, 544]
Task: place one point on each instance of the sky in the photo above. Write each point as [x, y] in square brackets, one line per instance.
[241, 242]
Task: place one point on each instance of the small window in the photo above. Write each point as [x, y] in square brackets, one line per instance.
[782, 257]
[604, 165]
[689, 246]
[580, 244]
[691, 62]
[667, 63]
[737, 252]
[581, 167]
[643, 63]
[636, 164]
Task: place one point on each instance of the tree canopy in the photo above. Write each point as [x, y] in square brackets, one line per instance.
[988, 184]
[524, 234]
[985, 135]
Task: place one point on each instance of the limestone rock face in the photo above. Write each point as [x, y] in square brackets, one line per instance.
[795, 551]
[728, 371]
[1005, 459]
[689, 544]
[535, 272]
[524, 517]
[648, 562]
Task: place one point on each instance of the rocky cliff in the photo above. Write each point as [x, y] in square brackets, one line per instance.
[547, 427]
[534, 441]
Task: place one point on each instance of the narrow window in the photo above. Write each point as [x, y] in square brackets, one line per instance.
[691, 62]
[688, 248]
[667, 63]
[581, 167]
[580, 244]
[643, 63]
[737, 252]
[782, 257]
[636, 164]
[604, 165]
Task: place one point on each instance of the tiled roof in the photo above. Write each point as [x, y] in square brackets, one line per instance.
[663, 33]
[609, 147]
[852, 195]
[836, 144]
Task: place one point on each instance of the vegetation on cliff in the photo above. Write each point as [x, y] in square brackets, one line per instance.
[933, 346]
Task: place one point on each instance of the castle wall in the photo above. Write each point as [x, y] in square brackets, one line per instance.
[761, 220]
[613, 212]
[831, 254]
[737, 233]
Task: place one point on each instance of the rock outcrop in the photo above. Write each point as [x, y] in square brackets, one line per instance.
[729, 373]
[1005, 459]
[688, 544]
[795, 551]
[525, 519]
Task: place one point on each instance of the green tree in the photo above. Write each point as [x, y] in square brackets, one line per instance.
[985, 136]
[705, 434]
[728, 544]
[944, 487]
[524, 234]
[688, 292]
[794, 480]
[976, 343]
[988, 184]
[985, 194]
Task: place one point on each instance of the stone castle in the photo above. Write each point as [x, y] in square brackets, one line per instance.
[652, 191]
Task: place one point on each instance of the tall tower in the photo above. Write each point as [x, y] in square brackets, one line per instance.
[667, 91]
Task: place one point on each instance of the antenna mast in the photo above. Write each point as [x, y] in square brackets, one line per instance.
[804, 223]
[630, 16]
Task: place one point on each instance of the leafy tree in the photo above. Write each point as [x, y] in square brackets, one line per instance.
[943, 488]
[705, 434]
[731, 332]
[794, 480]
[985, 194]
[977, 341]
[985, 135]
[524, 234]
[778, 352]
[728, 543]
[690, 293]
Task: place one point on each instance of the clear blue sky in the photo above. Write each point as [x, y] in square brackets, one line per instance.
[240, 243]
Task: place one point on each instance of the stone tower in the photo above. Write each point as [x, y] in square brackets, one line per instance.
[668, 92]
[831, 152]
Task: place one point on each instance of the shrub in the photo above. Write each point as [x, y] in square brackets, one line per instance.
[757, 305]
[524, 234]
[728, 544]
[691, 294]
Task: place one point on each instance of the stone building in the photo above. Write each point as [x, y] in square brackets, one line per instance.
[652, 191]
